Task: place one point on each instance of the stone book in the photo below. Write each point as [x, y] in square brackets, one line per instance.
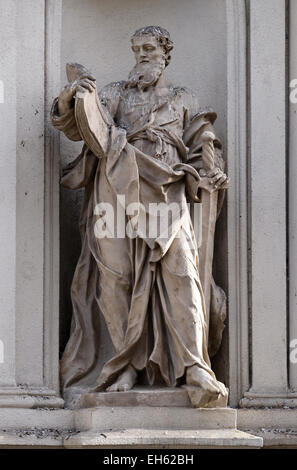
[92, 119]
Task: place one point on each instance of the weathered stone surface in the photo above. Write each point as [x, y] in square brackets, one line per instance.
[144, 417]
[200, 399]
[268, 418]
[17, 440]
[17, 418]
[168, 439]
[138, 396]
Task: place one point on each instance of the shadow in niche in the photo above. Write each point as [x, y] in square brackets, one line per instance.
[70, 246]
[220, 362]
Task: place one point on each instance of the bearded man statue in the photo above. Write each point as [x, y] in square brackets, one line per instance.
[146, 286]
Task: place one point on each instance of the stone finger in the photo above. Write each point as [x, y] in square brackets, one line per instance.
[87, 81]
[218, 176]
[80, 88]
[220, 181]
[85, 86]
[213, 172]
[89, 76]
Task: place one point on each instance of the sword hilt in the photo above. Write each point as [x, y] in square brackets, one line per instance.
[208, 138]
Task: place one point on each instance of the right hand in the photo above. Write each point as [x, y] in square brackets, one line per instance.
[84, 82]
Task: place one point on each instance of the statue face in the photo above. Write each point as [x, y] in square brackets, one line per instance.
[147, 50]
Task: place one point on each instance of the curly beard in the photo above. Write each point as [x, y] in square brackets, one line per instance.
[144, 75]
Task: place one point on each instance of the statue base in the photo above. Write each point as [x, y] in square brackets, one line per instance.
[186, 396]
[154, 417]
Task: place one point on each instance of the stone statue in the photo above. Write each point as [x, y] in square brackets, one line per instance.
[146, 146]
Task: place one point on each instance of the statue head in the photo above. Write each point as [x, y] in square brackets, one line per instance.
[152, 44]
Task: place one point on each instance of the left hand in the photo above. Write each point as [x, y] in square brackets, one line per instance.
[216, 177]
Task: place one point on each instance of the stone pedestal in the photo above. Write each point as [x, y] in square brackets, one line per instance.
[154, 418]
[145, 396]
[138, 396]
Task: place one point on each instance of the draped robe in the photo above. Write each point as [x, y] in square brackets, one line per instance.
[146, 288]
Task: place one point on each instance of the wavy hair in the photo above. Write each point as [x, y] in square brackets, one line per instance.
[162, 35]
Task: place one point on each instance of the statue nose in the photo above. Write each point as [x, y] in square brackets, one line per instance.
[143, 57]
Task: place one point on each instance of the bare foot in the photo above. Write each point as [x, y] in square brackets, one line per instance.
[200, 378]
[125, 381]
